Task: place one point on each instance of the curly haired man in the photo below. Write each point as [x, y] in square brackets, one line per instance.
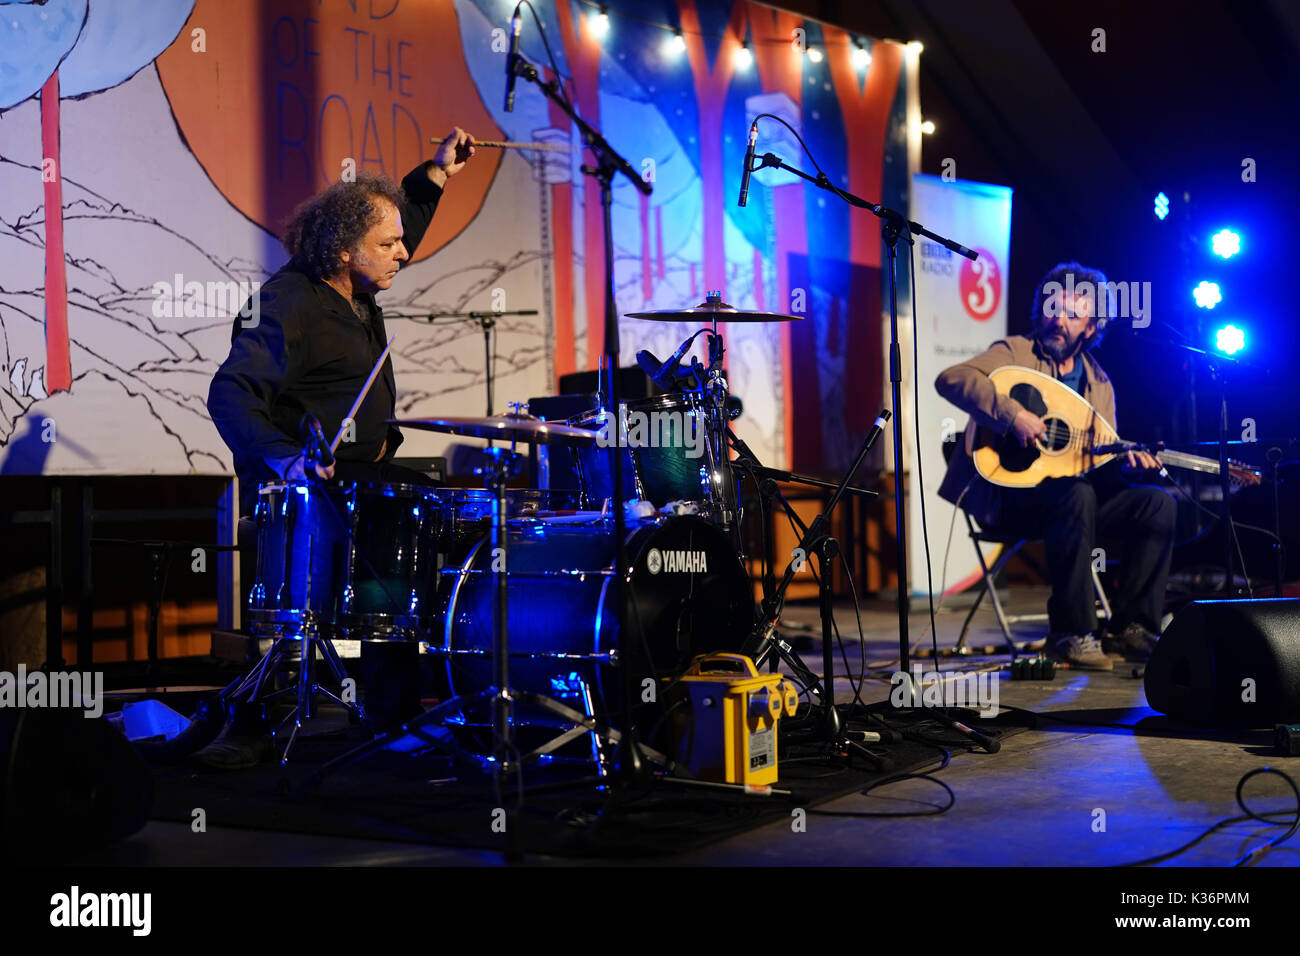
[319, 331]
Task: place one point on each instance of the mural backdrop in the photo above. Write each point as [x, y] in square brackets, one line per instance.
[150, 151]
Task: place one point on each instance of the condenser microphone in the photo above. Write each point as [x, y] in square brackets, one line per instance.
[516, 24]
[749, 162]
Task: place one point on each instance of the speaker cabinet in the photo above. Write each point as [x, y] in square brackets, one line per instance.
[1229, 663]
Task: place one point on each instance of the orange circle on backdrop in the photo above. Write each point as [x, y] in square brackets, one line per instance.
[286, 92]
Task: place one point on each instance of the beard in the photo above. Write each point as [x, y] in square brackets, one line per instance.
[1058, 345]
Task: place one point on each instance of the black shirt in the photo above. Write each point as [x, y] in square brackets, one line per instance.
[310, 352]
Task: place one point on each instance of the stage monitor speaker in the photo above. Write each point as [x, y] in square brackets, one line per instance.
[1229, 663]
[68, 784]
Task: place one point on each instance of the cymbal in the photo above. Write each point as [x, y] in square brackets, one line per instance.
[712, 309]
[510, 428]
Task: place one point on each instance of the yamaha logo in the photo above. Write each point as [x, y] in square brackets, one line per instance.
[670, 562]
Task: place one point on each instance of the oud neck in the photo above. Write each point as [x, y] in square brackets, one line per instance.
[1178, 459]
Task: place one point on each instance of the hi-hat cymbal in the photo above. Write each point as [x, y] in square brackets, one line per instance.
[712, 309]
[509, 428]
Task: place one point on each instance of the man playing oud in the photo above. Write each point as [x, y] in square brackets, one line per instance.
[1077, 514]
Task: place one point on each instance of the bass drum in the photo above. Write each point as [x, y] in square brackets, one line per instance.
[688, 594]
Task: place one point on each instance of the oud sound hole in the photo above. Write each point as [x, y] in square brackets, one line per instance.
[1058, 435]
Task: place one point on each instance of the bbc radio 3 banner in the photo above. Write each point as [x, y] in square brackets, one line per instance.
[961, 309]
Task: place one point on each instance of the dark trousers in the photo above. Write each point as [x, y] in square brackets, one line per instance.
[1074, 516]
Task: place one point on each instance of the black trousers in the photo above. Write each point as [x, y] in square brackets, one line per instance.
[1076, 516]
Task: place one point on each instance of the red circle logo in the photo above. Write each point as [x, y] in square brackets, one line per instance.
[980, 285]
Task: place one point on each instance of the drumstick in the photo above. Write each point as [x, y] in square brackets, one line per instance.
[502, 144]
[334, 445]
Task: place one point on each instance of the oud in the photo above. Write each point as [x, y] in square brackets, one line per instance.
[1078, 438]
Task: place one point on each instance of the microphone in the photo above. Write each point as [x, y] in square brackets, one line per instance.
[650, 363]
[516, 24]
[749, 161]
[989, 744]
[317, 448]
[661, 373]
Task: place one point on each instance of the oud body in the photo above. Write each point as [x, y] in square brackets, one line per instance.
[1073, 428]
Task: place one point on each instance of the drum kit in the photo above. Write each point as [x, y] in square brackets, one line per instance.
[446, 568]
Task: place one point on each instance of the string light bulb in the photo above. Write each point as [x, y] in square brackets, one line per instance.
[599, 23]
[744, 58]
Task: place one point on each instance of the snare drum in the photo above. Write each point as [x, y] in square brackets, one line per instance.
[302, 542]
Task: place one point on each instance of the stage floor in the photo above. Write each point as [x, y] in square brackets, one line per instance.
[1069, 793]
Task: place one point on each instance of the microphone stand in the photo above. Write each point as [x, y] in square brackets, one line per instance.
[892, 226]
[629, 765]
[487, 322]
[1215, 364]
[816, 539]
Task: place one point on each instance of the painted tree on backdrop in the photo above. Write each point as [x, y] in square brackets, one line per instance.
[72, 49]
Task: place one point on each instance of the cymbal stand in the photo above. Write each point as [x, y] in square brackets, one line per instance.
[487, 322]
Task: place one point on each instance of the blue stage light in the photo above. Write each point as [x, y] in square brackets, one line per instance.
[1230, 340]
[1226, 243]
[1162, 205]
[1207, 295]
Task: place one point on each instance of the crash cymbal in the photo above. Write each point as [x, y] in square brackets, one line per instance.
[712, 309]
[510, 428]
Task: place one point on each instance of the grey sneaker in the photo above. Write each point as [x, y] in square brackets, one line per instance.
[1079, 650]
[1135, 642]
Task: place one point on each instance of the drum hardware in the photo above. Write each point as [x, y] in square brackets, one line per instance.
[500, 695]
[816, 540]
[308, 636]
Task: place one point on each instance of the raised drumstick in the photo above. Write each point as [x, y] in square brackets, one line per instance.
[501, 144]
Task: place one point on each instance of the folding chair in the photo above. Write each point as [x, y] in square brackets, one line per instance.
[988, 585]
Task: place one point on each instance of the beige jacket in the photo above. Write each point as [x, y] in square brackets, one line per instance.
[967, 386]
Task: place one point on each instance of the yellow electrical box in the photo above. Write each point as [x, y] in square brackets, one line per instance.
[725, 717]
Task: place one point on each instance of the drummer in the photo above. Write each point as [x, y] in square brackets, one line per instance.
[309, 341]
[306, 345]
